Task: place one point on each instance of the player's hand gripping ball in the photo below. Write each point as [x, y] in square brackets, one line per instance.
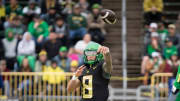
[108, 16]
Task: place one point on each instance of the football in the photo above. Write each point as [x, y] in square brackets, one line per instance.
[108, 16]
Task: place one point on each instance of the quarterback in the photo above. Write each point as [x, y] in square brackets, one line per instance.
[93, 77]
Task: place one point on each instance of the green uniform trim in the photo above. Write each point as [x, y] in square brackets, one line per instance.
[106, 75]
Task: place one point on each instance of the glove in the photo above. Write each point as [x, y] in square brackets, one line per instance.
[174, 90]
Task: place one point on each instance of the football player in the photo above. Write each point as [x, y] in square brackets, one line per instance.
[93, 77]
[175, 88]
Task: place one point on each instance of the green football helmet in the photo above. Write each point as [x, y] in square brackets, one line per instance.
[91, 50]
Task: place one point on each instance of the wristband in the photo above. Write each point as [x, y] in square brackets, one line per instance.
[74, 77]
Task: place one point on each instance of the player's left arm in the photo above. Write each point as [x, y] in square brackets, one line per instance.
[107, 66]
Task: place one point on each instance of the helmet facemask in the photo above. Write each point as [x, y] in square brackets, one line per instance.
[90, 53]
[91, 50]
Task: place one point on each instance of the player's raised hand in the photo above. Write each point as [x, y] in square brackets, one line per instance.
[80, 70]
[103, 50]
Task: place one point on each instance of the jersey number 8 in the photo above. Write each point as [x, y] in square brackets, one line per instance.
[87, 86]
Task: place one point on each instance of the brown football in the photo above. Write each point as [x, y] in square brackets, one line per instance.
[108, 16]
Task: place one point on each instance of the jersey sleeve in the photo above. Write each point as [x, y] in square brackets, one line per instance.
[104, 73]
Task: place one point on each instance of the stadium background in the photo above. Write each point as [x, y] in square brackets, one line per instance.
[130, 32]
